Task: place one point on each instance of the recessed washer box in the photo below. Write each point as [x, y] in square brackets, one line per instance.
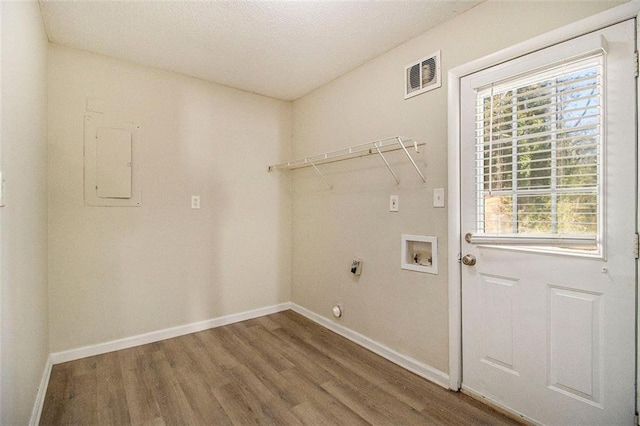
[419, 253]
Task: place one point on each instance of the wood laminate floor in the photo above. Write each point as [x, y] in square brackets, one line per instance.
[281, 369]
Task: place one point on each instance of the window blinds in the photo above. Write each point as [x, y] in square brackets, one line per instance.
[539, 157]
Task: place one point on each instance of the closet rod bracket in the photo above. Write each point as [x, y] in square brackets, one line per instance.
[386, 163]
[321, 175]
[415, 166]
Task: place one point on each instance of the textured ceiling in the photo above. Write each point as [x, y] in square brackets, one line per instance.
[282, 49]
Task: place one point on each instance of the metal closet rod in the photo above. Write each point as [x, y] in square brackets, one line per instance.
[377, 147]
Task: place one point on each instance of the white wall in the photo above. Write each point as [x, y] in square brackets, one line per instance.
[121, 271]
[24, 339]
[404, 310]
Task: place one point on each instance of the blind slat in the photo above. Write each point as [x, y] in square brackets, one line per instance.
[594, 127]
[558, 159]
[561, 125]
[481, 110]
[559, 83]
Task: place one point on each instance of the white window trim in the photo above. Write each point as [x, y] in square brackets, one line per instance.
[591, 49]
[576, 29]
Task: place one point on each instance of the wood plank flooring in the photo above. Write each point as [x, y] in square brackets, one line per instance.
[281, 369]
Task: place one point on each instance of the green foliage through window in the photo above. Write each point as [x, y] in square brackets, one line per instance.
[538, 153]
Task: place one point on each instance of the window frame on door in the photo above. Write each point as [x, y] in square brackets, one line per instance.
[586, 244]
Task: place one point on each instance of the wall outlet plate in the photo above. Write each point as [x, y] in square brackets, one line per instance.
[393, 203]
[438, 197]
[195, 201]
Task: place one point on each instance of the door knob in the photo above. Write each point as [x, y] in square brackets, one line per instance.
[469, 260]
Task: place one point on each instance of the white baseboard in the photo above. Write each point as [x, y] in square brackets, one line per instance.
[42, 391]
[430, 373]
[421, 369]
[156, 336]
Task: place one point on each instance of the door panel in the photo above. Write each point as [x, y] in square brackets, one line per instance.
[574, 342]
[549, 328]
[497, 298]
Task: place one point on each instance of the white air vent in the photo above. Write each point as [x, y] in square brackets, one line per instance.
[422, 76]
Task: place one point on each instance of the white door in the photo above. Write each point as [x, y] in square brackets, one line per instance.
[549, 212]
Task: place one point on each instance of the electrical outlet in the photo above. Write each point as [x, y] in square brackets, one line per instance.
[438, 197]
[393, 203]
[195, 201]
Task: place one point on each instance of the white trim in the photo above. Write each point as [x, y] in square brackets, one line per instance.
[168, 333]
[2, 203]
[42, 392]
[609, 17]
[421, 369]
[430, 373]
[637, 228]
[454, 237]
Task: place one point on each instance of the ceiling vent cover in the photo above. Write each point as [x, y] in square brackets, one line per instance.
[422, 76]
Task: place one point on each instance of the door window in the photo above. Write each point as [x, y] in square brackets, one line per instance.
[539, 157]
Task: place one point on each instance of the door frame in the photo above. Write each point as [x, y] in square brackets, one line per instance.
[604, 19]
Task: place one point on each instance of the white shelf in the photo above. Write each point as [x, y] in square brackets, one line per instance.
[378, 147]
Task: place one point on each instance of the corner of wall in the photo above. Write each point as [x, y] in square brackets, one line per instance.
[24, 217]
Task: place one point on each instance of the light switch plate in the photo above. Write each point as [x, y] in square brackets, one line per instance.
[393, 203]
[438, 197]
[195, 201]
